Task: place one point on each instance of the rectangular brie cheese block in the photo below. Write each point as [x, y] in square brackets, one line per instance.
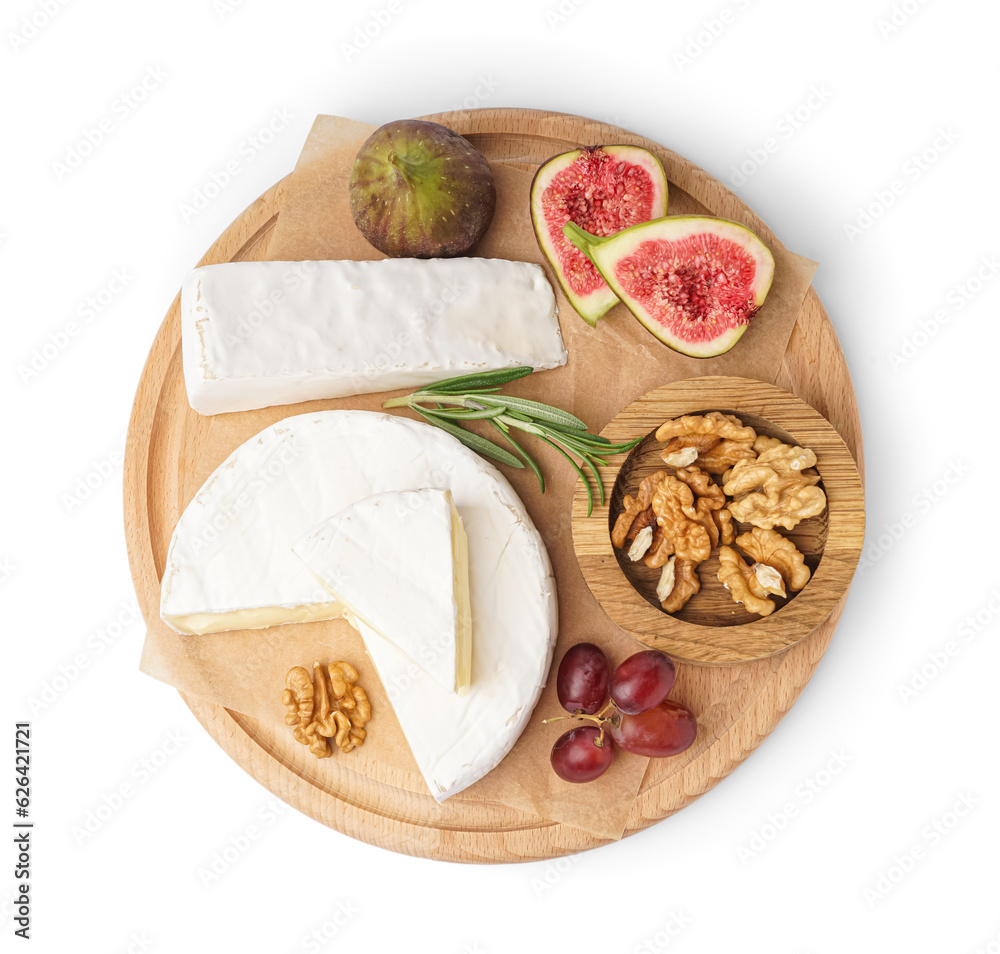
[257, 334]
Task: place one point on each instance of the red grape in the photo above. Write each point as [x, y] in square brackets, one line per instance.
[667, 729]
[642, 681]
[582, 683]
[577, 758]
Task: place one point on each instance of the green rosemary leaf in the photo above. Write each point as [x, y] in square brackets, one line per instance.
[577, 447]
[466, 398]
[540, 412]
[592, 464]
[517, 416]
[473, 441]
[485, 379]
[468, 414]
[523, 423]
[582, 433]
[583, 476]
[620, 448]
[583, 453]
[528, 459]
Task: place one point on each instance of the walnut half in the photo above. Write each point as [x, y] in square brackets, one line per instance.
[633, 507]
[715, 441]
[683, 532]
[769, 548]
[775, 489]
[742, 583]
[327, 705]
[678, 583]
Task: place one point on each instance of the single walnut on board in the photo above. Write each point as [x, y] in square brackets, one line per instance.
[327, 705]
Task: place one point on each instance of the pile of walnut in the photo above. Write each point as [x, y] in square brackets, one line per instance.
[677, 520]
[327, 705]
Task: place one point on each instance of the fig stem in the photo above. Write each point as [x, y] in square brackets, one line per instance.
[581, 238]
[407, 169]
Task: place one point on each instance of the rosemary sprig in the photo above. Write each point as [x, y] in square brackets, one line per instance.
[473, 397]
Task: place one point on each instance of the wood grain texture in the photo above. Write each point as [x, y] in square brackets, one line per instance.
[743, 702]
[702, 633]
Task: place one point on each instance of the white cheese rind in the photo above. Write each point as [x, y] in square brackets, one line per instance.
[456, 740]
[231, 550]
[257, 334]
[390, 560]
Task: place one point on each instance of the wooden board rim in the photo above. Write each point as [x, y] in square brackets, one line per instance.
[662, 793]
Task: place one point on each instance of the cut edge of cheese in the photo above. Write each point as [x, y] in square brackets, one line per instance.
[445, 651]
[463, 601]
[252, 617]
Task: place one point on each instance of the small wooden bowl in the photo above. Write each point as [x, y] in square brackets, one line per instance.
[712, 628]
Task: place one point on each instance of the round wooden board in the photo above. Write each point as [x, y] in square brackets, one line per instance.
[711, 628]
[747, 700]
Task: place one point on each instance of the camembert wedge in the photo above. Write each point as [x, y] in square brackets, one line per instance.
[399, 562]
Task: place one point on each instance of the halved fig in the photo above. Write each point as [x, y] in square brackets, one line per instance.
[602, 189]
[694, 281]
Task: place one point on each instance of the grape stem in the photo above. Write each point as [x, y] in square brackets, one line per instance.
[601, 719]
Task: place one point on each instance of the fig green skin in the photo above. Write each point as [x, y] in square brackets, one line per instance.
[419, 190]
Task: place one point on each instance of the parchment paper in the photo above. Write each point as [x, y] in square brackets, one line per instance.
[245, 671]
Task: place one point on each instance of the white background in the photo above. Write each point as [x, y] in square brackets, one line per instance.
[875, 97]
